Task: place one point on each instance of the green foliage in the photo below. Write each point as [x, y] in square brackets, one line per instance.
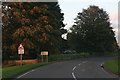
[92, 32]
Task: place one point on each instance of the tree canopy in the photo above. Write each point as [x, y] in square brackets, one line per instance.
[38, 26]
[92, 32]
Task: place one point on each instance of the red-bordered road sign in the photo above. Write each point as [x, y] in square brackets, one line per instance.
[21, 49]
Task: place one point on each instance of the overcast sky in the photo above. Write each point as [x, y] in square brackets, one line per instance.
[70, 8]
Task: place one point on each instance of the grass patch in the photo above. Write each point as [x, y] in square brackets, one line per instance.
[11, 72]
[112, 66]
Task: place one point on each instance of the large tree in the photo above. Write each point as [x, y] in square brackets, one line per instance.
[92, 31]
[38, 26]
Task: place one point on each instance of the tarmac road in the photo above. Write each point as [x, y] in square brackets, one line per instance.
[72, 69]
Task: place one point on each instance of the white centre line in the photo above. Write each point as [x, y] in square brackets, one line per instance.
[84, 61]
[74, 76]
[74, 68]
[73, 72]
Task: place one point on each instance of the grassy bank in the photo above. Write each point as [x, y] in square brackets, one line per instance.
[112, 66]
[13, 71]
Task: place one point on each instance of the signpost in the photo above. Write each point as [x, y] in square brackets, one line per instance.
[44, 53]
[21, 51]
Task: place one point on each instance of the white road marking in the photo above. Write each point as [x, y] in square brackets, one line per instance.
[74, 76]
[74, 68]
[73, 72]
[25, 74]
[84, 61]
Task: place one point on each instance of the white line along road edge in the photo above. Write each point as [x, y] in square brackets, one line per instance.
[25, 74]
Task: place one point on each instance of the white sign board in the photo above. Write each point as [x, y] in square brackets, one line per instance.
[20, 49]
[44, 53]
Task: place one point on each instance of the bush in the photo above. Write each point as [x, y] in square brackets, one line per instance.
[64, 56]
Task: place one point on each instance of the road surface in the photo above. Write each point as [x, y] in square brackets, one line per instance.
[73, 69]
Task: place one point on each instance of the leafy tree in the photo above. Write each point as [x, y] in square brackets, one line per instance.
[92, 31]
[38, 26]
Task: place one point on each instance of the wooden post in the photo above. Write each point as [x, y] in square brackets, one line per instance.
[47, 58]
[42, 58]
[21, 58]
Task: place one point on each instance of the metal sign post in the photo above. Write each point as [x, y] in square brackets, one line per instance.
[21, 51]
[21, 58]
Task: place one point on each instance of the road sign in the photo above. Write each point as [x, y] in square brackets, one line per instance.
[20, 49]
[44, 53]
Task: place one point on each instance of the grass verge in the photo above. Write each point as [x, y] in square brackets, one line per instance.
[11, 72]
[112, 66]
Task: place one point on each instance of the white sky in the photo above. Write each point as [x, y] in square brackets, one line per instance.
[70, 8]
